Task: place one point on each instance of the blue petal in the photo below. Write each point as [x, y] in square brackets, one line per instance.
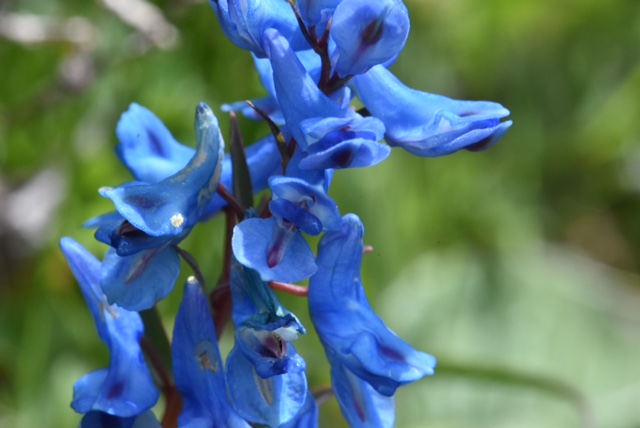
[197, 365]
[427, 124]
[345, 322]
[293, 213]
[268, 350]
[314, 177]
[95, 419]
[368, 33]
[361, 405]
[118, 233]
[308, 417]
[256, 306]
[298, 94]
[255, 240]
[138, 281]
[147, 147]
[243, 22]
[173, 206]
[344, 143]
[273, 401]
[313, 198]
[126, 388]
[346, 153]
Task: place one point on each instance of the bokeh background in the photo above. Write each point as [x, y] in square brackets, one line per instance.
[518, 267]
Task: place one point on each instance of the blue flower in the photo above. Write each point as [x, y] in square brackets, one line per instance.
[275, 249]
[150, 152]
[332, 135]
[143, 265]
[352, 334]
[368, 33]
[174, 205]
[427, 124]
[273, 401]
[126, 388]
[306, 206]
[197, 365]
[244, 21]
[265, 374]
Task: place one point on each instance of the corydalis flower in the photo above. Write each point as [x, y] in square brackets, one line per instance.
[197, 365]
[427, 124]
[152, 154]
[265, 374]
[330, 134]
[357, 342]
[142, 265]
[126, 388]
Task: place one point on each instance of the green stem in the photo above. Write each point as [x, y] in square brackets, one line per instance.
[156, 335]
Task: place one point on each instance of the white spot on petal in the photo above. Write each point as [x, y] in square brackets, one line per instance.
[177, 220]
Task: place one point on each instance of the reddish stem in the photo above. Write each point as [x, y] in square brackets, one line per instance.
[293, 289]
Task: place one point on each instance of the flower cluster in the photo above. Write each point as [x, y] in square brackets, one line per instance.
[313, 57]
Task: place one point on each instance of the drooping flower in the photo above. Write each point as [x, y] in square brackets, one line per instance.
[330, 135]
[265, 374]
[126, 388]
[274, 246]
[355, 339]
[428, 124]
[197, 365]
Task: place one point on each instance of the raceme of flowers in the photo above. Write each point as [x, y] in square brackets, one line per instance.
[313, 58]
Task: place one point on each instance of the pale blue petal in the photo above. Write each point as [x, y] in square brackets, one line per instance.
[273, 401]
[147, 147]
[255, 240]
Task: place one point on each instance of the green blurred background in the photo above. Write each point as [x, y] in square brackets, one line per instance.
[518, 267]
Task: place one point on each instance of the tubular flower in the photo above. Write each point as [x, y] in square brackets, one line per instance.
[154, 217]
[265, 374]
[427, 124]
[126, 388]
[331, 135]
[197, 365]
[352, 334]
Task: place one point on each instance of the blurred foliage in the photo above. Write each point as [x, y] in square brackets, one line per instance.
[519, 267]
